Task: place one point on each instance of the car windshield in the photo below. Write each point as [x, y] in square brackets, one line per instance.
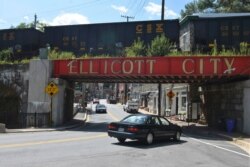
[139, 119]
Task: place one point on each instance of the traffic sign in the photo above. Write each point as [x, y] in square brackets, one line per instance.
[51, 88]
[170, 94]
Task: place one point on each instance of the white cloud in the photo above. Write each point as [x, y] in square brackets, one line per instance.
[155, 9]
[69, 18]
[26, 18]
[121, 9]
[171, 14]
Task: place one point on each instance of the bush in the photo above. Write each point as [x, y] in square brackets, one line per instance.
[53, 55]
[136, 49]
[227, 52]
[160, 46]
[244, 48]
[6, 55]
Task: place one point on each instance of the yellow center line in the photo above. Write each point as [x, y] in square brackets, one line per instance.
[52, 141]
[113, 116]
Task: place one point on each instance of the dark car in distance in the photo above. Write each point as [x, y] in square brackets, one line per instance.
[144, 127]
[100, 108]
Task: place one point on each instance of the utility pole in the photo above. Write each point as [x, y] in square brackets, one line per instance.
[159, 84]
[125, 85]
[127, 17]
[35, 21]
[162, 9]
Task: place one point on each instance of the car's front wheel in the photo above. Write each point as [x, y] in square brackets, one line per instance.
[121, 140]
[149, 138]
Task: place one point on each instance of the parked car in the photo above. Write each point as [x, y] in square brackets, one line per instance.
[144, 128]
[100, 108]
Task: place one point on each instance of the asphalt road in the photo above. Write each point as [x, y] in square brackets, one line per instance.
[89, 146]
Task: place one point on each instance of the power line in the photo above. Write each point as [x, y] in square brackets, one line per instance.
[68, 8]
[127, 17]
[139, 12]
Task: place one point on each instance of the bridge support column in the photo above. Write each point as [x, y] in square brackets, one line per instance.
[39, 102]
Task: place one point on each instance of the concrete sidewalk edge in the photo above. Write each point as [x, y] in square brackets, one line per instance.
[238, 141]
[47, 129]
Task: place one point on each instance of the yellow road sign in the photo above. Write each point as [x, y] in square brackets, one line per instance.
[51, 89]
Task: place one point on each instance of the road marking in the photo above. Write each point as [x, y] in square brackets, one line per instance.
[88, 118]
[216, 146]
[52, 141]
[113, 117]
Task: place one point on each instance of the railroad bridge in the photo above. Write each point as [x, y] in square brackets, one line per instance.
[154, 69]
[208, 71]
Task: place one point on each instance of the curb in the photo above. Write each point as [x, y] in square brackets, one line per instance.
[2, 128]
[46, 129]
[237, 141]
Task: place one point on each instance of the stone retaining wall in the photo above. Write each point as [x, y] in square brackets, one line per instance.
[224, 101]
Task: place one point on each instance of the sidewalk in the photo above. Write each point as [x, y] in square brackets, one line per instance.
[78, 120]
[239, 139]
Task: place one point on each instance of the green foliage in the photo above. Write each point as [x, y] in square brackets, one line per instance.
[6, 55]
[244, 48]
[86, 56]
[40, 26]
[22, 25]
[160, 46]
[233, 6]
[53, 55]
[190, 8]
[214, 49]
[136, 49]
[215, 6]
[227, 52]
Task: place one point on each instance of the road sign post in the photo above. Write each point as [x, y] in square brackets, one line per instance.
[170, 95]
[51, 89]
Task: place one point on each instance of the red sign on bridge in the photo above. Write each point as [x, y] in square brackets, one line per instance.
[141, 69]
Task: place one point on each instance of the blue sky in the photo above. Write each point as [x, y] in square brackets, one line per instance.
[64, 12]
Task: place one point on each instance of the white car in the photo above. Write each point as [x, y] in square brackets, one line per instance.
[131, 106]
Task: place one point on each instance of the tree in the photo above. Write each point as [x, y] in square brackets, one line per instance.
[190, 8]
[39, 25]
[233, 6]
[216, 6]
[22, 25]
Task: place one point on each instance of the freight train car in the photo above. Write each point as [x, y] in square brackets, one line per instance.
[24, 43]
[108, 38]
[202, 31]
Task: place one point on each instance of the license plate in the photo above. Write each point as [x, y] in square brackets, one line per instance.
[121, 129]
